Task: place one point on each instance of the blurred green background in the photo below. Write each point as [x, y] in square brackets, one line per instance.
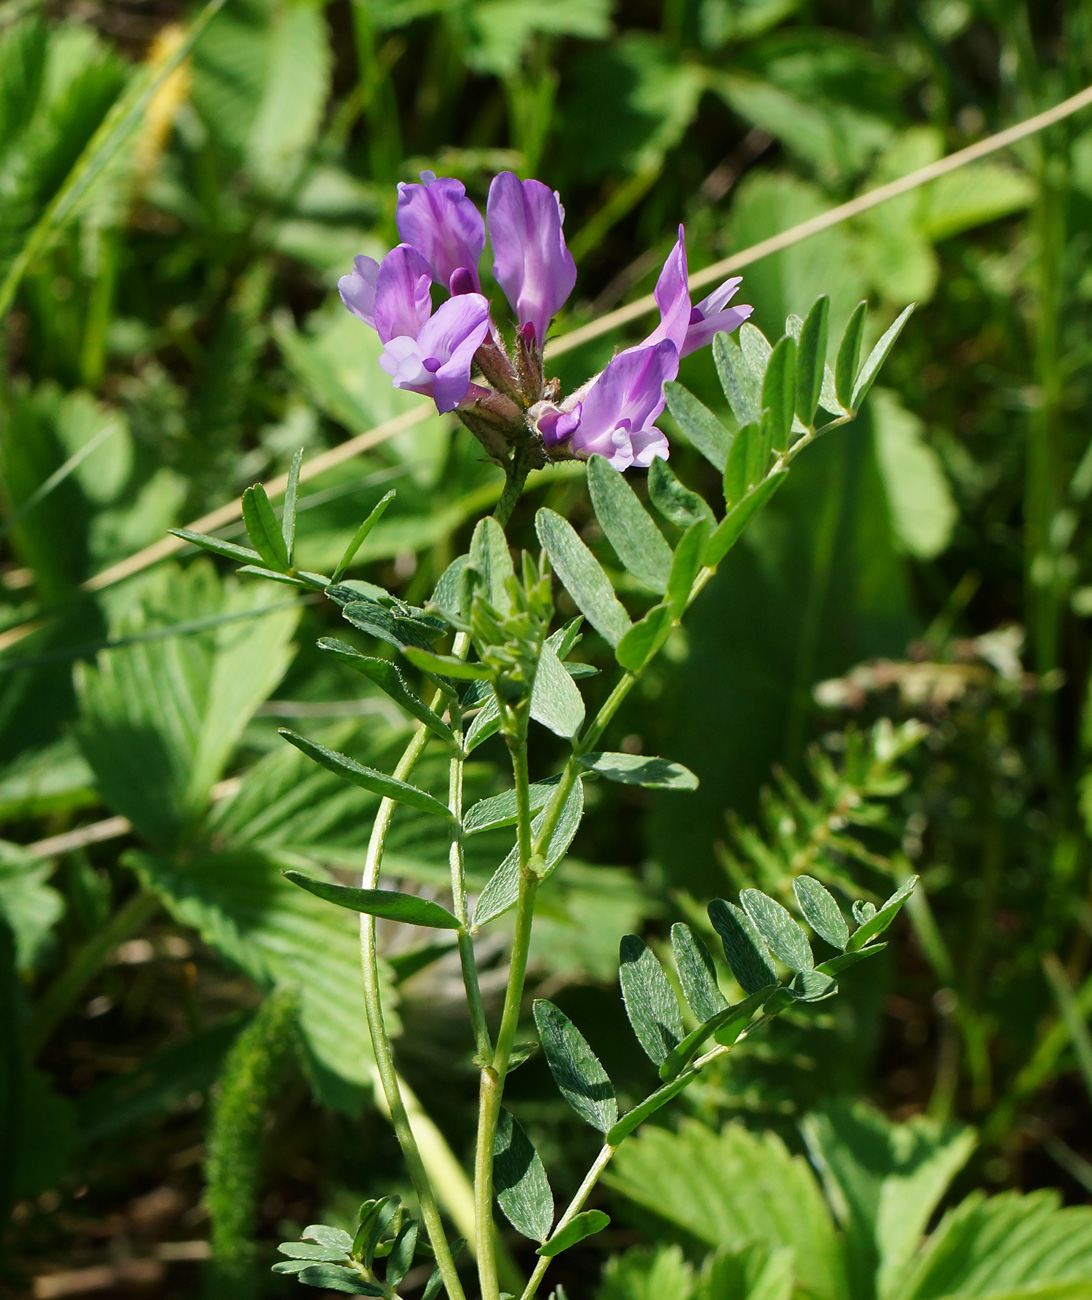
[170, 238]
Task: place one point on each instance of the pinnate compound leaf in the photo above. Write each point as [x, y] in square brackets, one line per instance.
[556, 701]
[744, 950]
[387, 677]
[503, 888]
[821, 911]
[644, 639]
[697, 974]
[676, 503]
[581, 576]
[577, 1071]
[651, 1005]
[361, 535]
[849, 352]
[878, 923]
[335, 1278]
[501, 810]
[263, 529]
[782, 935]
[877, 357]
[637, 769]
[580, 1226]
[811, 355]
[742, 386]
[739, 516]
[699, 424]
[628, 527]
[217, 546]
[385, 903]
[522, 1189]
[779, 391]
[388, 787]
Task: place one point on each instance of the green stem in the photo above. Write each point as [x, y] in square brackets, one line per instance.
[55, 1002]
[515, 476]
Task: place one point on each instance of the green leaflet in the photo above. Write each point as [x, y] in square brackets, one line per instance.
[387, 677]
[446, 665]
[649, 1106]
[628, 527]
[581, 576]
[782, 935]
[388, 625]
[879, 922]
[849, 351]
[637, 769]
[676, 503]
[385, 903]
[739, 516]
[697, 974]
[811, 355]
[500, 809]
[698, 423]
[556, 701]
[744, 949]
[335, 1277]
[686, 565]
[742, 385]
[361, 534]
[217, 546]
[725, 1026]
[367, 778]
[821, 911]
[580, 1226]
[644, 639]
[877, 357]
[779, 391]
[650, 1002]
[288, 514]
[576, 1069]
[490, 556]
[263, 529]
[520, 1182]
[503, 888]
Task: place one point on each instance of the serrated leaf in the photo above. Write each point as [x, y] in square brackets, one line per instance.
[388, 787]
[779, 391]
[731, 527]
[628, 527]
[697, 974]
[334, 1278]
[385, 903]
[811, 355]
[581, 575]
[556, 701]
[781, 934]
[849, 351]
[503, 888]
[644, 639]
[217, 546]
[500, 809]
[685, 566]
[650, 1002]
[489, 555]
[387, 677]
[361, 534]
[637, 769]
[288, 514]
[821, 911]
[878, 923]
[878, 356]
[263, 529]
[580, 1226]
[519, 1180]
[744, 950]
[576, 1069]
[698, 423]
[676, 503]
[742, 385]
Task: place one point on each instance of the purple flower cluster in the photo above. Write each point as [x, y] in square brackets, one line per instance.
[435, 351]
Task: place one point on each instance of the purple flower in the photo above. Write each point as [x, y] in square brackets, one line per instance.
[617, 414]
[445, 227]
[530, 260]
[357, 289]
[690, 328]
[436, 359]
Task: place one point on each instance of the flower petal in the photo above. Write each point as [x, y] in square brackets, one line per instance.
[672, 295]
[451, 337]
[357, 289]
[402, 302]
[443, 225]
[531, 261]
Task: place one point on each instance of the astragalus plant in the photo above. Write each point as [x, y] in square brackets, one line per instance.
[488, 654]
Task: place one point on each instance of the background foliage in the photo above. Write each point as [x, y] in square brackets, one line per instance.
[172, 225]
